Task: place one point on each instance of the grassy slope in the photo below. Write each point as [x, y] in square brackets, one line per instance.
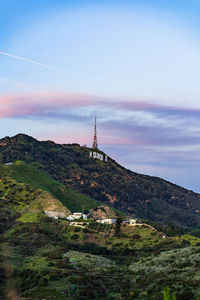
[74, 201]
[44, 202]
[26, 200]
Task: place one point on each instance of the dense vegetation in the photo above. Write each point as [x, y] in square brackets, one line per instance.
[135, 194]
[51, 260]
[46, 258]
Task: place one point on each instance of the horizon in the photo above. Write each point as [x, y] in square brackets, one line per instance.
[134, 64]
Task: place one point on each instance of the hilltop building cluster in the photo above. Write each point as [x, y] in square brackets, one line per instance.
[76, 217]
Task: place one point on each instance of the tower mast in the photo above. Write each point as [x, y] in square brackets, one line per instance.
[95, 144]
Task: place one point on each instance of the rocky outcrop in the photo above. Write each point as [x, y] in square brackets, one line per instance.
[102, 212]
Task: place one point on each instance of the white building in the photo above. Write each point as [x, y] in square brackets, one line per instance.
[76, 216]
[55, 214]
[106, 221]
[130, 222]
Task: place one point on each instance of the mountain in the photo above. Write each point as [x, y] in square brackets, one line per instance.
[134, 194]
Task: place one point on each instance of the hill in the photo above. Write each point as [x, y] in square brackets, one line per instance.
[44, 258]
[135, 194]
[25, 201]
[23, 172]
[50, 260]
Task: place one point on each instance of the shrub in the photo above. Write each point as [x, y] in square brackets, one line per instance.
[136, 236]
[167, 295]
[74, 236]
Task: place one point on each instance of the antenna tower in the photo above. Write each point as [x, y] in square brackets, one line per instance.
[95, 144]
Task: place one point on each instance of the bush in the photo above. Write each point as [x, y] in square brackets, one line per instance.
[136, 237]
[77, 229]
[74, 236]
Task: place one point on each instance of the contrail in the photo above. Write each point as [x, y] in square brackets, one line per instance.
[34, 62]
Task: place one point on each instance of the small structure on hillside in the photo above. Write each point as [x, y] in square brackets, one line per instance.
[129, 222]
[76, 216]
[55, 214]
[106, 221]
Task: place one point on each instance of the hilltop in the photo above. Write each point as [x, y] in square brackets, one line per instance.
[109, 183]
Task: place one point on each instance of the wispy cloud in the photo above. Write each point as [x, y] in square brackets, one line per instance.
[138, 122]
[34, 62]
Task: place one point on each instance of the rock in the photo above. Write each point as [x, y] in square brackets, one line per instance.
[102, 212]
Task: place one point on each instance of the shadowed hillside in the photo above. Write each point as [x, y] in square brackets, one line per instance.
[135, 194]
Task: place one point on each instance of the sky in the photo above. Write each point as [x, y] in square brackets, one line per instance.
[135, 64]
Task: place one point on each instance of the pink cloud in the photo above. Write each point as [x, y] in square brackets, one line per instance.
[15, 105]
[39, 104]
[65, 138]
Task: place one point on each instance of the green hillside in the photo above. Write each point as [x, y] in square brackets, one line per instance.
[73, 200]
[25, 200]
[44, 258]
[51, 260]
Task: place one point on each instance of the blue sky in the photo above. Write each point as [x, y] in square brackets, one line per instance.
[136, 64]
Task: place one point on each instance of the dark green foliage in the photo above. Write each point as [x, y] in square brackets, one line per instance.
[74, 236]
[136, 236]
[195, 232]
[37, 253]
[101, 227]
[4, 171]
[118, 226]
[77, 229]
[168, 228]
[167, 295]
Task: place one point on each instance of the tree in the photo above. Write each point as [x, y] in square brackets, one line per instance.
[167, 295]
[118, 226]
[3, 171]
